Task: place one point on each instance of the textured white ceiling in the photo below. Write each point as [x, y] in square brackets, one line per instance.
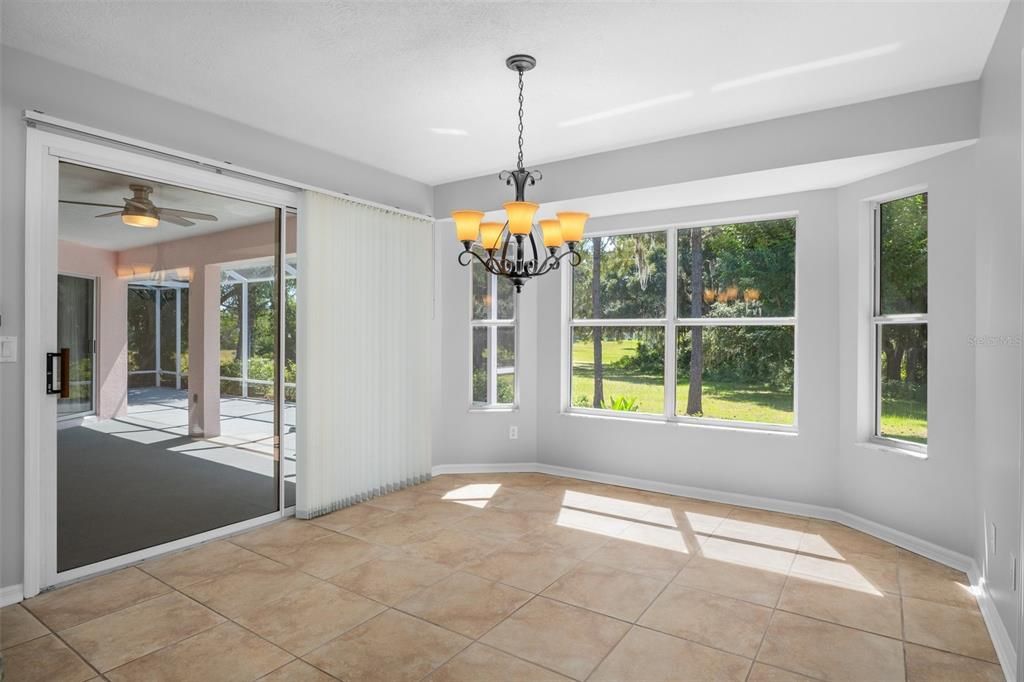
[420, 88]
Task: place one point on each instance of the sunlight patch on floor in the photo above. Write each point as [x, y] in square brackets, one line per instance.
[835, 573]
[813, 543]
[473, 495]
[606, 505]
[655, 536]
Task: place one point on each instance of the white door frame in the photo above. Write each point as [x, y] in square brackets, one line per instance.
[44, 151]
[80, 416]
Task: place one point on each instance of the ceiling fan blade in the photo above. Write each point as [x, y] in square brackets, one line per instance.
[107, 215]
[89, 203]
[185, 214]
[177, 220]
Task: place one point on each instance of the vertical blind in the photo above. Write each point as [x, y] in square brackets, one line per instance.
[363, 412]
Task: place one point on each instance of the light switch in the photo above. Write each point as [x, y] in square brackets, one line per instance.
[8, 348]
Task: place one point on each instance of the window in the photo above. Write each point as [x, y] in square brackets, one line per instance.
[618, 331]
[900, 321]
[494, 330]
[688, 323]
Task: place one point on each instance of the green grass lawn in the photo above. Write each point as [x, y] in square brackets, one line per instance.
[719, 401]
[904, 420]
[901, 418]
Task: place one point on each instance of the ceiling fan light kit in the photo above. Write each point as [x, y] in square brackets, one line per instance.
[505, 244]
[139, 211]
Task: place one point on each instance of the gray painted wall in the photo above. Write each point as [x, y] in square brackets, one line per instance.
[463, 436]
[29, 82]
[998, 302]
[787, 466]
[929, 498]
[824, 463]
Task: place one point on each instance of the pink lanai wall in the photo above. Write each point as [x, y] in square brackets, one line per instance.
[111, 322]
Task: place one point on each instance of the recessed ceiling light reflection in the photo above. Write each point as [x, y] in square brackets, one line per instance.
[807, 66]
[453, 132]
[627, 109]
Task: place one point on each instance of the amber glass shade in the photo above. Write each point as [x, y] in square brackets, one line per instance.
[552, 230]
[139, 220]
[490, 235]
[467, 225]
[572, 225]
[520, 216]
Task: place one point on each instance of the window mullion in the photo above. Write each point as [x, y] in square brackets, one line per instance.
[492, 295]
[671, 312]
[614, 322]
[492, 365]
[736, 321]
[901, 318]
[877, 336]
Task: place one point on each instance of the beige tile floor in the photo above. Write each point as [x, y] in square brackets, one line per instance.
[515, 577]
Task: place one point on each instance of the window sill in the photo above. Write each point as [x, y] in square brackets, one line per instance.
[496, 409]
[742, 427]
[894, 447]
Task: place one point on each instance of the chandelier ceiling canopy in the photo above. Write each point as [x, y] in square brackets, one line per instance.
[510, 249]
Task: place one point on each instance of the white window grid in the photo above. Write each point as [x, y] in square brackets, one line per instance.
[671, 326]
[492, 323]
[878, 320]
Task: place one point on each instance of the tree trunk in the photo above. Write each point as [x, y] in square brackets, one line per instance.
[694, 405]
[911, 365]
[893, 361]
[596, 312]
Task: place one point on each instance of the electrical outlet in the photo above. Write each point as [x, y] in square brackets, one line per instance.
[513, 432]
[992, 538]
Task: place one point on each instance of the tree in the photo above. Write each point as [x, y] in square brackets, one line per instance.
[596, 303]
[693, 400]
[903, 283]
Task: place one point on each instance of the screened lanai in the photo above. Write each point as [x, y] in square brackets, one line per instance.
[158, 361]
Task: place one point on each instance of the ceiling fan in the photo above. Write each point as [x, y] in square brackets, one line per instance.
[139, 211]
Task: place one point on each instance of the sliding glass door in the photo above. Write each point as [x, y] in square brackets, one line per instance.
[176, 341]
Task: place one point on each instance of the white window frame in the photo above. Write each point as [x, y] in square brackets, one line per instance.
[878, 321]
[670, 324]
[492, 323]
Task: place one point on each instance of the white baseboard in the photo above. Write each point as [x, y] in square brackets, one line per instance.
[500, 468]
[12, 594]
[1004, 645]
[1001, 640]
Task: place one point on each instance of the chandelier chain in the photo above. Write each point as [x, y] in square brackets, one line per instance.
[520, 166]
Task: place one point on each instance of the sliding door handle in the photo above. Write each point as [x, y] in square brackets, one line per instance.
[58, 377]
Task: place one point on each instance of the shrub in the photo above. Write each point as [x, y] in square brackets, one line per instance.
[582, 401]
[622, 404]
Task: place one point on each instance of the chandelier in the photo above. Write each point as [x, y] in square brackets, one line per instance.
[511, 247]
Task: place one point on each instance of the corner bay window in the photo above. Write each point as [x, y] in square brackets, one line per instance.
[900, 321]
[687, 323]
[493, 342]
